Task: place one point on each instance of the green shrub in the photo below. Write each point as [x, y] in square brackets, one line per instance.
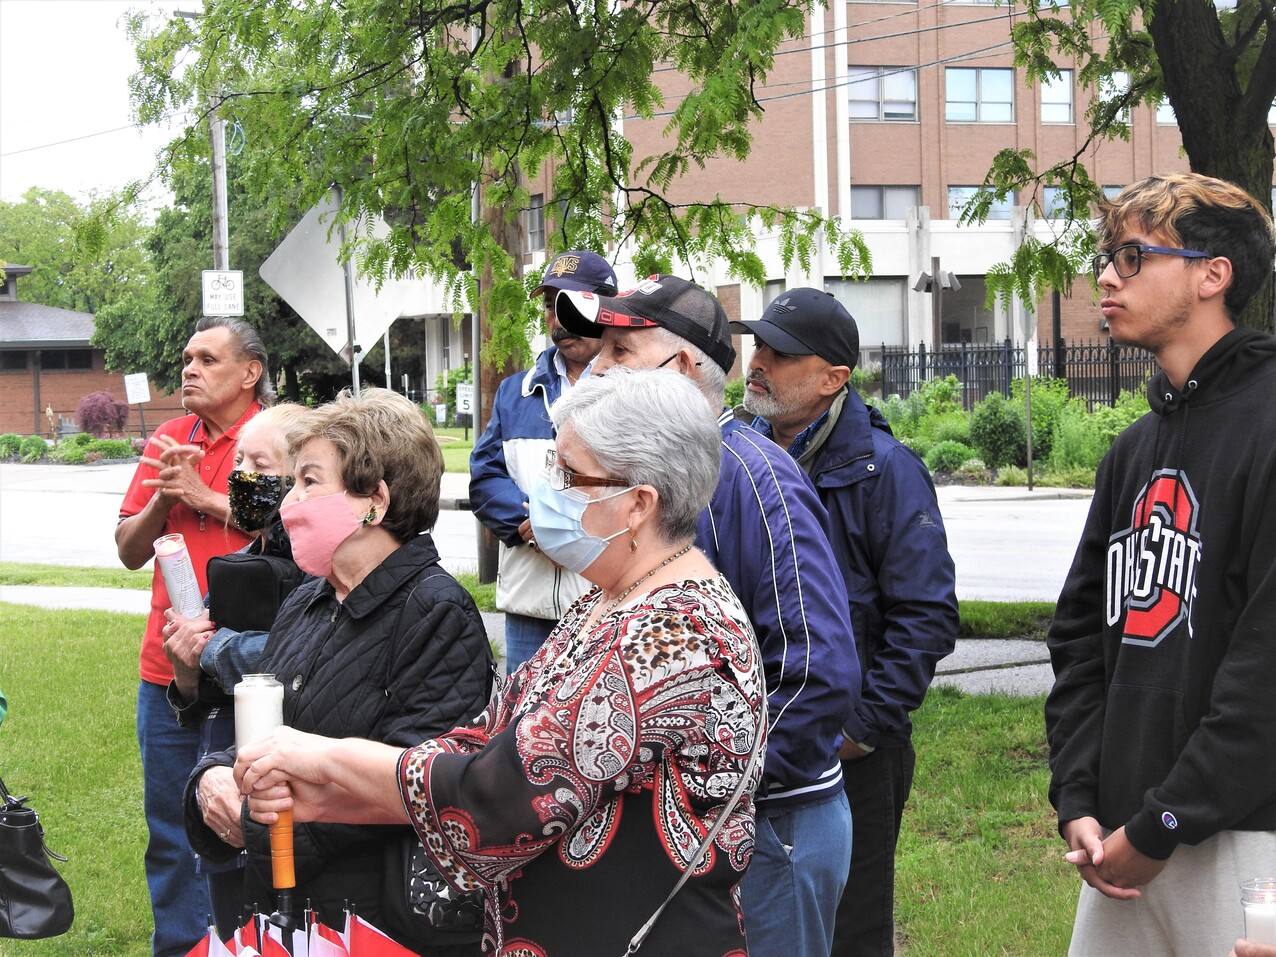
[1078, 441]
[80, 438]
[997, 431]
[112, 448]
[734, 393]
[920, 446]
[1066, 478]
[1012, 475]
[1049, 396]
[33, 448]
[10, 444]
[948, 456]
[69, 453]
[941, 395]
[946, 426]
[973, 471]
[1115, 419]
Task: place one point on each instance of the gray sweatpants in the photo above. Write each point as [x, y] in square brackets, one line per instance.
[1191, 909]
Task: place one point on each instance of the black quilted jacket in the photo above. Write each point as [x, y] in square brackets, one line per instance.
[403, 659]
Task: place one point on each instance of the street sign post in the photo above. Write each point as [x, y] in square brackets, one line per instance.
[223, 292]
[136, 391]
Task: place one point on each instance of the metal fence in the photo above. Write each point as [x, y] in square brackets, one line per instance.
[1096, 371]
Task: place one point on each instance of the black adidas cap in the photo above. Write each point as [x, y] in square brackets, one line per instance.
[804, 322]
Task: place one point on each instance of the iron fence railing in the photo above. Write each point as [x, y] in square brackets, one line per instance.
[1096, 371]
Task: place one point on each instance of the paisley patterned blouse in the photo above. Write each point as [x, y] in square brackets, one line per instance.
[580, 796]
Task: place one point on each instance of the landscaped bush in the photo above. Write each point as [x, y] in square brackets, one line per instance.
[112, 449]
[10, 444]
[1049, 396]
[100, 414]
[1011, 475]
[1116, 419]
[997, 431]
[33, 448]
[69, 453]
[945, 426]
[138, 445]
[80, 438]
[1078, 441]
[733, 395]
[948, 456]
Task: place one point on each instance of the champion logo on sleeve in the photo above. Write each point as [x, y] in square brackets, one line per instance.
[1169, 820]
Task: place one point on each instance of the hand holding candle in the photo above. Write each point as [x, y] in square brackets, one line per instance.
[259, 710]
[175, 566]
[1258, 899]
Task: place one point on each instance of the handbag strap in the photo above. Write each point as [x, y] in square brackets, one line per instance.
[638, 938]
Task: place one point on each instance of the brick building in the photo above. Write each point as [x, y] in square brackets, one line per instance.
[47, 362]
[888, 114]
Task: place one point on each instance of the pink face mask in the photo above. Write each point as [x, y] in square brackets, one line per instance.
[317, 527]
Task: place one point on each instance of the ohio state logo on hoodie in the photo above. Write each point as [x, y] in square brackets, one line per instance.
[1151, 566]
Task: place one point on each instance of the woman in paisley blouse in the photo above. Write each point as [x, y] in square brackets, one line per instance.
[585, 791]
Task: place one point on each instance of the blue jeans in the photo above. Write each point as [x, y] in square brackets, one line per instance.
[790, 891]
[523, 638]
[179, 896]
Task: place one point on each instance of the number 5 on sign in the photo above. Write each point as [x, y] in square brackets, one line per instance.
[223, 292]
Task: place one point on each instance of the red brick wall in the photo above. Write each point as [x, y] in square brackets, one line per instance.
[63, 389]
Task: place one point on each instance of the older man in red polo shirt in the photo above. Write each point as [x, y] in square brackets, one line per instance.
[180, 486]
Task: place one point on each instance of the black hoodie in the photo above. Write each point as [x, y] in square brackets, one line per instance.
[1162, 718]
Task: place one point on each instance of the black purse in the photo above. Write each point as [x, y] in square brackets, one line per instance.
[419, 906]
[35, 901]
[246, 590]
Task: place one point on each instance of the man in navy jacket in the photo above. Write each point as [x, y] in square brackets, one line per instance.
[532, 590]
[890, 545]
[765, 532]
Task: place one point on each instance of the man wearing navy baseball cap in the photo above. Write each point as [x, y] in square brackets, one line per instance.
[764, 531]
[531, 590]
[891, 548]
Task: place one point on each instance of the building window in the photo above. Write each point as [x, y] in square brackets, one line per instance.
[1056, 98]
[68, 359]
[1271, 115]
[883, 202]
[1165, 115]
[1113, 86]
[979, 95]
[13, 360]
[959, 196]
[882, 93]
[1054, 202]
[1111, 192]
[536, 223]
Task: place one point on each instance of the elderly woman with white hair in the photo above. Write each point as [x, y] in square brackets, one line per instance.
[606, 793]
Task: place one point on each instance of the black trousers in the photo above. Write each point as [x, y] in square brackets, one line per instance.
[876, 787]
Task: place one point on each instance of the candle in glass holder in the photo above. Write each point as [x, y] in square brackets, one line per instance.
[179, 575]
[1258, 898]
[259, 708]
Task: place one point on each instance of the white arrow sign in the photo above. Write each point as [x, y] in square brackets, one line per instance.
[305, 271]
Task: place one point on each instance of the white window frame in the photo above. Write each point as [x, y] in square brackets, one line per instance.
[1113, 85]
[888, 196]
[536, 223]
[959, 196]
[981, 104]
[886, 83]
[1056, 92]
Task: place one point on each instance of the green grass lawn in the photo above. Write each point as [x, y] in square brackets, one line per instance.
[980, 869]
[456, 449]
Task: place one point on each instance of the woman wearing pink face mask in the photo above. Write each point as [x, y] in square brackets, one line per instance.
[382, 644]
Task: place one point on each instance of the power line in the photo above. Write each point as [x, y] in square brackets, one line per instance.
[74, 139]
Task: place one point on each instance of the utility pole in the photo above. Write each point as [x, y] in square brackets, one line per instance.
[221, 223]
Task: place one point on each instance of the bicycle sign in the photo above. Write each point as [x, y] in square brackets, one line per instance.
[223, 292]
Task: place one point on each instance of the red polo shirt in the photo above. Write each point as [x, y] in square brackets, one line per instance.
[205, 536]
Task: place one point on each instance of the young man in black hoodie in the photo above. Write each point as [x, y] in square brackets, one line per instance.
[1161, 722]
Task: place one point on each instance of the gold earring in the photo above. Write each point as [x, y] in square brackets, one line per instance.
[633, 545]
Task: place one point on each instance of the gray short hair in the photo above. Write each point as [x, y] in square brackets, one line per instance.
[712, 381]
[649, 428]
[248, 341]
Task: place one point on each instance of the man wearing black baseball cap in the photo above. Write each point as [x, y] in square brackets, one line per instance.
[531, 590]
[764, 531]
[890, 545]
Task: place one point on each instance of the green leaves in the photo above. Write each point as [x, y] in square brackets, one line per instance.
[406, 106]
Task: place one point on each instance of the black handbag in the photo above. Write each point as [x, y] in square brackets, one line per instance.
[419, 906]
[246, 590]
[35, 901]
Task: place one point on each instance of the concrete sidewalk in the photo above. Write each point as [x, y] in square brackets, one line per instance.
[978, 666]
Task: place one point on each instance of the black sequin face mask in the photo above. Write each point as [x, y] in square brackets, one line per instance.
[255, 498]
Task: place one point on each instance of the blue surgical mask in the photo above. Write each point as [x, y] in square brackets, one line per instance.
[556, 525]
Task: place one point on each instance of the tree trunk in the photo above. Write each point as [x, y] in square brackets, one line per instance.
[1222, 116]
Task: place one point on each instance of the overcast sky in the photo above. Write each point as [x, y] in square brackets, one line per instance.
[64, 68]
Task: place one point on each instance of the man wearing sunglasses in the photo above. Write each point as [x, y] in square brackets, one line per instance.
[510, 455]
[1160, 723]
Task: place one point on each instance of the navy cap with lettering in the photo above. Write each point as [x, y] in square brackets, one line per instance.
[578, 269]
[804, 322]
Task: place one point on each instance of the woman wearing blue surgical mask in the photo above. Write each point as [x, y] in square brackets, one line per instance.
[593, 783]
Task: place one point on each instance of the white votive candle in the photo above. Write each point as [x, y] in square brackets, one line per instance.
[259, 708]
[1258, 899]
